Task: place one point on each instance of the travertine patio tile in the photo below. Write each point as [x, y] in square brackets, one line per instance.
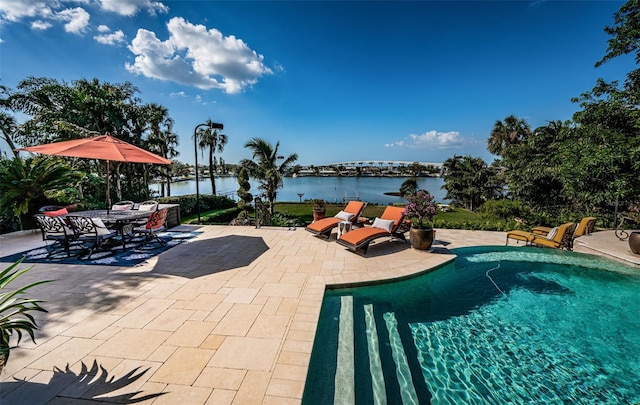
[181, 394]
[241, 295]
[68, 353]
[253, 388]
[221, 378]
[190, 334]
[297, 346]
[160, 290]
[269, 326]
[219, 312]
[221, 397]
[294, 358]
[238, 320]
[91, 326]
[162, 353]
[285, 388]
[281, 290]
[137, 344]
[301, 335]
[107, 333]
[288, 306]
[290, 372]
[212, 342]
[183, 367]
[271, 400]
[246, 353]
[205, 302]
[170, 320]
[144, 314]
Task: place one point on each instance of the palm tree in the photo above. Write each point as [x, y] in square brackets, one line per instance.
[508, 133]
[215, 142]
[265, 168]
[8, 126]
[162, 140]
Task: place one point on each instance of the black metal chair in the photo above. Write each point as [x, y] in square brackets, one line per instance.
[92, 232]
[56, 230]
[155, 224]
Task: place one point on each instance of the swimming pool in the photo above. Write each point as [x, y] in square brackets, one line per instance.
[500, 325]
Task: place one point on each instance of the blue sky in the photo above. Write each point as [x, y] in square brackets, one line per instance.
[331, 81]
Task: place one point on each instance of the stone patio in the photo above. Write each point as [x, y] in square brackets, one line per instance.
[226, 318]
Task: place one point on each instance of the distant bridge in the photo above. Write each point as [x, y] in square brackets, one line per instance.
[387, 163]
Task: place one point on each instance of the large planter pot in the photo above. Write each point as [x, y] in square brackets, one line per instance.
[421, 239]
[634, 242]
[318, 215]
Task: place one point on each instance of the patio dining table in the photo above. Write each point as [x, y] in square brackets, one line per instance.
[120, 221]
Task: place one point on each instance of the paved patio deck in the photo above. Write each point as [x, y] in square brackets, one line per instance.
[227, 318]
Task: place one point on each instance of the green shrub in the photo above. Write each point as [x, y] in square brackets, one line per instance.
[222, 217]
[207, 203]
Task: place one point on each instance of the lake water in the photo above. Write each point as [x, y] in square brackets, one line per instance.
[331, 189]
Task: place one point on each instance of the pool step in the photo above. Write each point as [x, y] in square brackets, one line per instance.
[389, 340]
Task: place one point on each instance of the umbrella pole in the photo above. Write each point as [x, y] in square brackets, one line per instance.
[108, 192]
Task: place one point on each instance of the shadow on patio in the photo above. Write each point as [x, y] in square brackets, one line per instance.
[93, 385]
[209, 256]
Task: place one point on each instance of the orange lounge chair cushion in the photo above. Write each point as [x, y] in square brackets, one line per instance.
[361, 235]
[324, 224]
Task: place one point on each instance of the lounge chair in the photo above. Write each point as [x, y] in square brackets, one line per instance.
[585, 227]
[351, 213]
[556, 237]
[562, 239]
[388, 225]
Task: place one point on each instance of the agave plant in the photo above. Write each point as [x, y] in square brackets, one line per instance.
[15, 311]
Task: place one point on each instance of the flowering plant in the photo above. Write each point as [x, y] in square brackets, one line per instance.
[421, 208]
[634, 211]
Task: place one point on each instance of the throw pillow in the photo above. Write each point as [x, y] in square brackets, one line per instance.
[62, 211]
[101, 229]
[345, 216]
[386, 224]
[552, 233]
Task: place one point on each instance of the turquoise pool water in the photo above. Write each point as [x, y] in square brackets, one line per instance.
[500, 325]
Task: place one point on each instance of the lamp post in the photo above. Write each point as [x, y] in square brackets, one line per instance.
[211, 125]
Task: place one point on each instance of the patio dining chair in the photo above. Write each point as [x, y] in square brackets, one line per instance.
[122, 206]
[92, 233]
[155, 224]
[54, 229]
[149, 205]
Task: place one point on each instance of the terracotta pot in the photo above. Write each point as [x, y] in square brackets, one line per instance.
[634, 242]
[318, 215]
[421, 239]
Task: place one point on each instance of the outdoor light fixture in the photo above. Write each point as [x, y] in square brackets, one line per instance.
[212, 125]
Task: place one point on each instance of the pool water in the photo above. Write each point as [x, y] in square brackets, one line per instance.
[499, 325]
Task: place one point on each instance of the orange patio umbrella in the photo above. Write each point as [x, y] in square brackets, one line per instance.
[103, 147]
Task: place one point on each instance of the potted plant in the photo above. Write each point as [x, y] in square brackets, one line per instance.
[319, 209]
[421, 209]
[15, 311]
[634, 237]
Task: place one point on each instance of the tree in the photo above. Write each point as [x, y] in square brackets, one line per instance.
[162, 140]
[470, 181]
[213, 141]
[27, 184]
[264, 167]
[506, 134]
[409, 186]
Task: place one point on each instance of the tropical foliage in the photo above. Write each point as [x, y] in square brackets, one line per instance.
[15, 311]
[470, 181]
[27, 184]
[265, 167]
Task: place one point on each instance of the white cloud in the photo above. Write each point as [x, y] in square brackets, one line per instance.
[103, 28]
[131, 7]
[16, 10]
[111, 39]
[178, 94]
[430, 139]
[40, 25]
[198, 57]
[77, 19]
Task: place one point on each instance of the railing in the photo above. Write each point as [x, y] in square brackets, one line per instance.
[263, 216]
